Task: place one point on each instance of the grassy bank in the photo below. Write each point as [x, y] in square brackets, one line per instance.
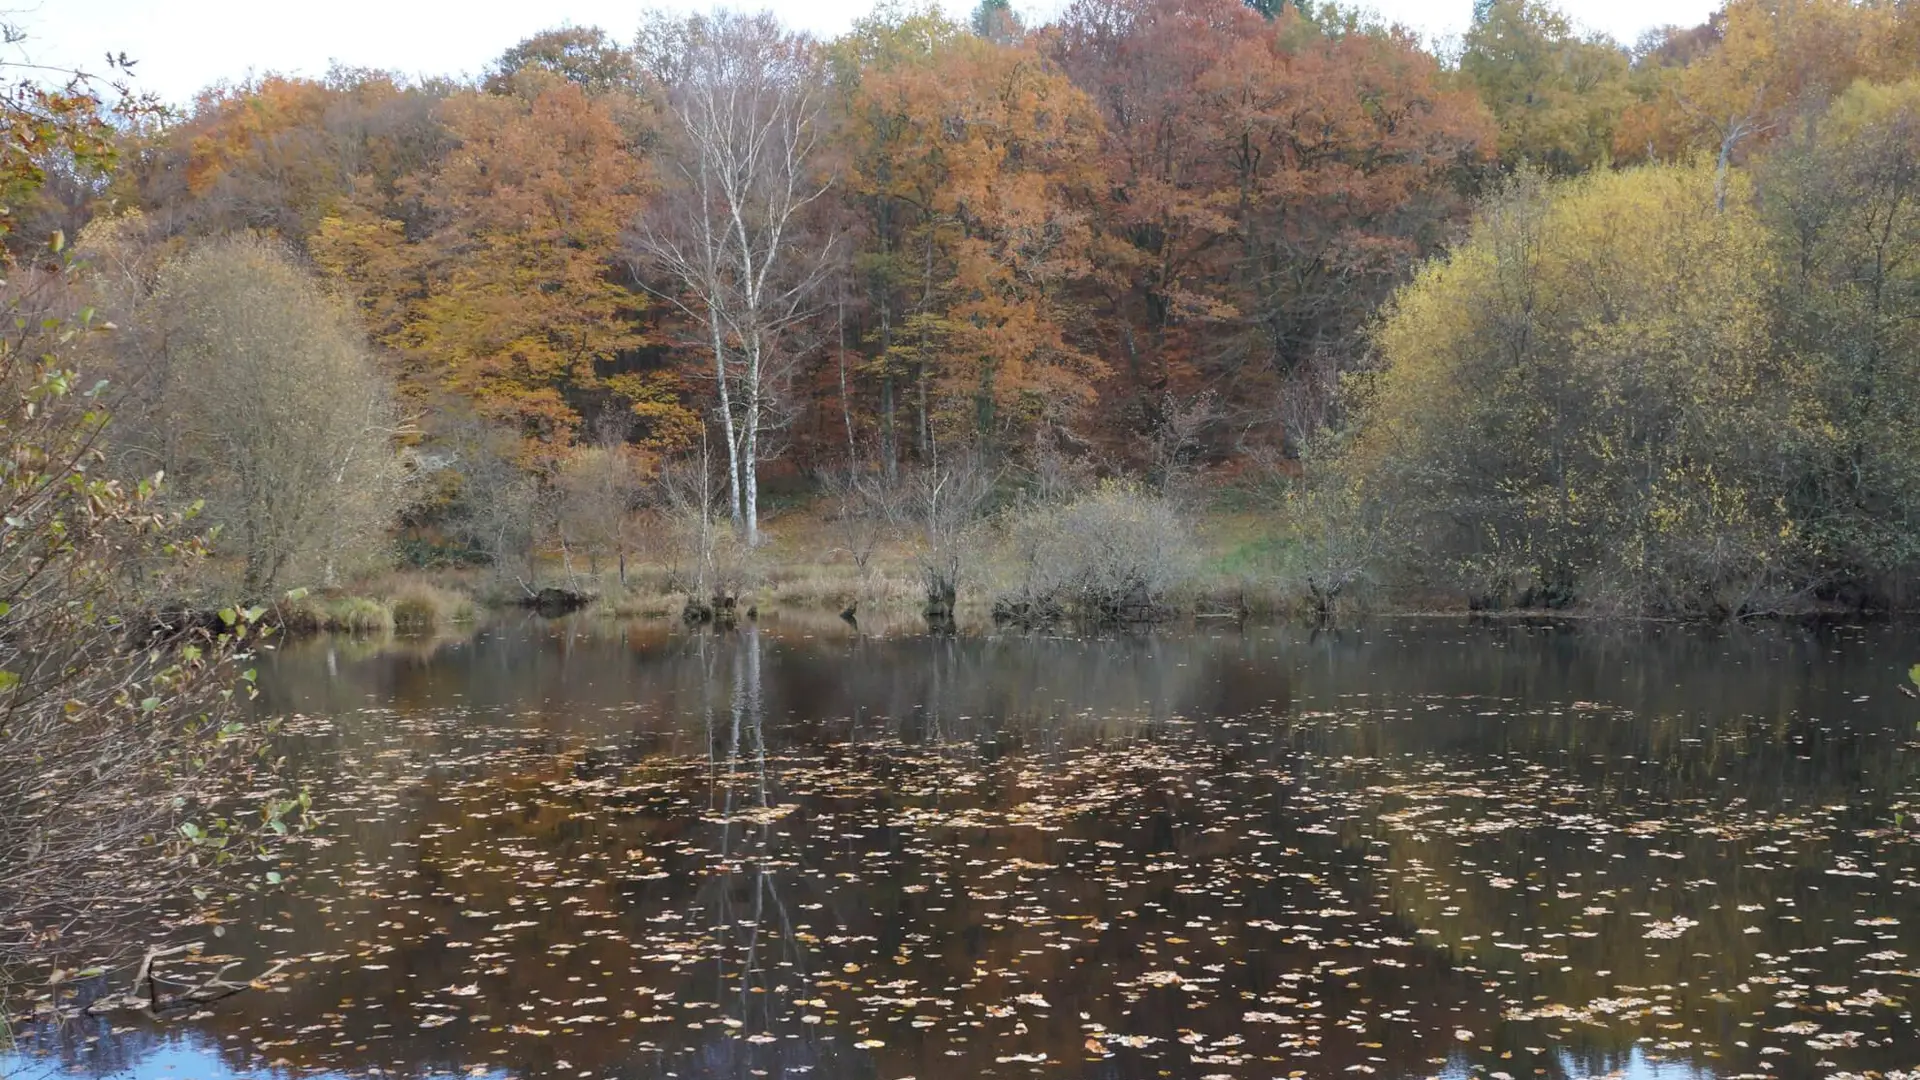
[806, 563]
[404, 603]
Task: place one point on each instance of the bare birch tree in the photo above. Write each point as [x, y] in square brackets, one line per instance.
[744, 96]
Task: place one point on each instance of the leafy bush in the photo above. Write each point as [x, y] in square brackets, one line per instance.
[273, 413]
[1586, 401]
[1664, 390]
[117, 745]
[1111, 555]
[420, 606]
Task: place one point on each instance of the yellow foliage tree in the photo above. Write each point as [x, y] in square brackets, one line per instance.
[1555, 94]
[1773, 65]
[1845, 205]
[1585, 402]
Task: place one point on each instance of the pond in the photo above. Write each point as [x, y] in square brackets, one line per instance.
[1413, 848]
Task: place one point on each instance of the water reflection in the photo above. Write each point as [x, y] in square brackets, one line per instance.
[801, 850]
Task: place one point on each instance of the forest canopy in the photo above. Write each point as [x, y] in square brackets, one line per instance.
[1543, 318]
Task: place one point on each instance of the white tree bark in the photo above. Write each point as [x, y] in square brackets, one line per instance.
[743, 94]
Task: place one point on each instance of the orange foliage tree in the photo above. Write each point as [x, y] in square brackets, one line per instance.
[1269, 181]
[495, 272]
[280, 154]
[971, 161]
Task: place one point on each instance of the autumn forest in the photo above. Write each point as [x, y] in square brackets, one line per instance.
[1544, 320]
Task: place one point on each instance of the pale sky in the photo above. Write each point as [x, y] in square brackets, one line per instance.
[182, 46]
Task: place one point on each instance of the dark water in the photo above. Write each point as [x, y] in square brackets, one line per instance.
[1412, 849]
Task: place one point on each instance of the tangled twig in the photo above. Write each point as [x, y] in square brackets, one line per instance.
[145, 993]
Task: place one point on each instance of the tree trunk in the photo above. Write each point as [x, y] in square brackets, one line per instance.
[846, 406]
[726, 415]
[889, 442]
[920, 408]
[750, 456]
[1720, 170]
[889, 439]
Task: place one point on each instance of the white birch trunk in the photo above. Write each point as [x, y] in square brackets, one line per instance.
[743, 92]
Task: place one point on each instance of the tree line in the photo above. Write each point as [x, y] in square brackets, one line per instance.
[1522, 320]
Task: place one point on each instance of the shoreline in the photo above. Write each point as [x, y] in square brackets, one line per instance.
[357, 614]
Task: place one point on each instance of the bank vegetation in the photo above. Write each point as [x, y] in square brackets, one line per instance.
[1167, 306]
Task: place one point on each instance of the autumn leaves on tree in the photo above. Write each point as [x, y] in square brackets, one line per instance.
[1150, 236]
[1678, 387]
[964, 162]
[491, 271]
[917, 235]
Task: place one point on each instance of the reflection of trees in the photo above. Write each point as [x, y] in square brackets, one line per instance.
[759, 967]
[644, 684]
[689, 748]
[747, 846]
[1714, 795]
[737, 875]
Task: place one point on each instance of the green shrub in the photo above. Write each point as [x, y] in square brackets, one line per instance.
[358, 615]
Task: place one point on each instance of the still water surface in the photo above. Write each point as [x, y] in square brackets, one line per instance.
[1412, 849]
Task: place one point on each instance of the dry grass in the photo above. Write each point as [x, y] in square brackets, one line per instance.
[410, 602]
[805, 568]
[803, 565]
[637, 600]
[809, 564]
[421, 606]
[335, 615]
[830, 586]
[1248, 567]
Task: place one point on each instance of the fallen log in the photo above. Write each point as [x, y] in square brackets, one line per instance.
[554, 602]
